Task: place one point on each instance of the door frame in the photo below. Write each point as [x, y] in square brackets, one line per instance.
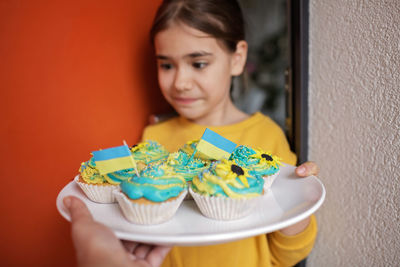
[297, 78]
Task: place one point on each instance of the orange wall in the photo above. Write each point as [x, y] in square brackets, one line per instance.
[75, 76]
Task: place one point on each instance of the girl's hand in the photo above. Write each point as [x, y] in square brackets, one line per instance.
[96, 245]
[306, 169]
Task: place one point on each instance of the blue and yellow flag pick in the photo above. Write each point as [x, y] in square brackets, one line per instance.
[215, 146]
[114, 159]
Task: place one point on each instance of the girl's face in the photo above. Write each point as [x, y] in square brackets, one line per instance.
[194, 72]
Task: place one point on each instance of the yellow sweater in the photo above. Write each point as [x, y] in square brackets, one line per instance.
[274, 249]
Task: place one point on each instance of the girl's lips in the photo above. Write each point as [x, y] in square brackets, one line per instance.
[184, 101]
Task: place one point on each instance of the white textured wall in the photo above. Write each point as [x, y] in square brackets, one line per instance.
[355, 130]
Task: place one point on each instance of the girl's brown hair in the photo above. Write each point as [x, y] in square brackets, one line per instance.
[221, 19]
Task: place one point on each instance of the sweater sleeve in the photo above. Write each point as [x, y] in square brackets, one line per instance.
[289, 250]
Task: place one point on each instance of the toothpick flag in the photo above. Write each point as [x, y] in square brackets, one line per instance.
[215, 146]
[114, 159]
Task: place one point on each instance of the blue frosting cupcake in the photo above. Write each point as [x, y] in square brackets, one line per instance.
[153, 197]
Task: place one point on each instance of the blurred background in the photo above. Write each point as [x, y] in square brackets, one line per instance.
[268, 58]
[75, 76]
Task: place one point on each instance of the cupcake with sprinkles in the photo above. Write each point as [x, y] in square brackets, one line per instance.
[148, 152]
[258, 162]
[186, 166]
[99, 188]
[154, 197]
[226, 191]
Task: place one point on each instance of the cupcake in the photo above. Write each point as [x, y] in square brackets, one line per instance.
[185, 166]
[99, 188]
[154, 197]
[258, 162]
[148, 152]
[226, 191]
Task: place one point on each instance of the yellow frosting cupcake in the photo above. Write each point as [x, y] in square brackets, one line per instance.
[99, 188]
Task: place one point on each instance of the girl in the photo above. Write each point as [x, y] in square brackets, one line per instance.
[200, 46]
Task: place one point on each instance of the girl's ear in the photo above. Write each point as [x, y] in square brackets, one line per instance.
[239, 58]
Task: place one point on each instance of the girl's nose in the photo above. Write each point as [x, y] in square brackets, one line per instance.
[182, 80]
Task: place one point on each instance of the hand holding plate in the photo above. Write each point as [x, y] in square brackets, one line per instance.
[97, 245]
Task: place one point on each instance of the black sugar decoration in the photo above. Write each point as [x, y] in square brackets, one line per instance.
[236, 169]
[267, 157]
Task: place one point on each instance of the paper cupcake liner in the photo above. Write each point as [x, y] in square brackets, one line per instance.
[269, 179]
[98, 193]
[223, 208]
[189, 196]
[148, 213]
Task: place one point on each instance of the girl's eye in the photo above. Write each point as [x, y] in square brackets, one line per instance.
[199, 65]
[165, 66]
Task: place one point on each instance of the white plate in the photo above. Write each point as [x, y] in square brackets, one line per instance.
[289, 200]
